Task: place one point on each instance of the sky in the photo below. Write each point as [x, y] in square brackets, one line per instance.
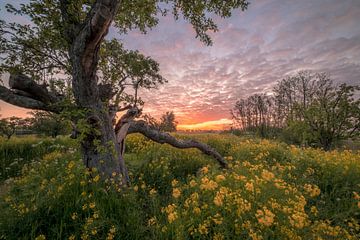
[250, 52]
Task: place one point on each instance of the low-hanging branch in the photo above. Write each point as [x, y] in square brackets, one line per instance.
[25, 92]
[161, 137]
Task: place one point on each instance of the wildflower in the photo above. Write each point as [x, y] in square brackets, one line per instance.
[84, 207]
[94, 232]
[219, 178]
[74, 216]
[172, 216]
[153, 191]
[249, 186]
[218, 199]
[72, 237]
[312, 190]
[314, 210]
[96, 215]
[92, 205]
[197, 210]
[136, 188]
[265, 217]
[40, 237]
[96, 178]
[174, 182]
[205, 170]
[83, 194]
[207, 184]
[218, 236]
[70, 165]
[193, 183]
[112, 229]
[299, 220]
[203, 229]
[267, 175]
[152, 221]
[113, 174]
[176, 193]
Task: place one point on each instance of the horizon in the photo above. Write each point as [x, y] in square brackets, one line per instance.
[252, 50]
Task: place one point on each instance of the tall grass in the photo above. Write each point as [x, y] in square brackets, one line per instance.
[18, 151]
[270, 191]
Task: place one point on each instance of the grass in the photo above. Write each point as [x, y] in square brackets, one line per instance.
[271, 191]
[19, 151]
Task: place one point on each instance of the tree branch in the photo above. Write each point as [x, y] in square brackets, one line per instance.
[25, 84]
[161, 137]
[27, 93]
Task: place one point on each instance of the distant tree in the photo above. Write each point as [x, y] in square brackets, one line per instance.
[49, 124]
[167, 122]
[8, 126]
[308, 107]
[333, 115]
[254, 114]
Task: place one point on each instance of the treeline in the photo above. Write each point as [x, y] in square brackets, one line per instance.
[52, 124]
[305, 108]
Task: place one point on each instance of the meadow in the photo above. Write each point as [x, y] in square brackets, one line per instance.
[270, 191]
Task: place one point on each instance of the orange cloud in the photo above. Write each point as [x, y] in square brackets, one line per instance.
[220, 124]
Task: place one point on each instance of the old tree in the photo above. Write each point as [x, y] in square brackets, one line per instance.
[62, 62]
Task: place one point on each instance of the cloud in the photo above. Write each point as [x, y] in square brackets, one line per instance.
[252, 50]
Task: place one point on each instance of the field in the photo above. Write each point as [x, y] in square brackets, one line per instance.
[270, 191]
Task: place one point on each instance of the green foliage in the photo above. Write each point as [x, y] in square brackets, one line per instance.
[8, 126]
[49, 124]
[20, 151]
[271, 191]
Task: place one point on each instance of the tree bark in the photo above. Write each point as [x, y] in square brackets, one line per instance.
[99, 146]
[161, 137]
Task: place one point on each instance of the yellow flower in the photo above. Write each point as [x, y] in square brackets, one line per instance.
[218, 236]
[193, 183]
[70, 165]
[197, 210]
[265, 217]
[249, 186]
[205, 170]
[136, 188]
[267, 175]
[218, 199]
[312, 190]
[172, 217]
[314, 210]
[40, 237]
[84, 207]
[112, 229]
[207, 184]
[152, 221]
[174, 182]
[219, 178]
[176, 193]
[92, 205]
[96, 178]
[74, 216]
[153, 191]
[203, 229]
[72, 237]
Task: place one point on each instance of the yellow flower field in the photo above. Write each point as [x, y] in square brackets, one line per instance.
[270, 191]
